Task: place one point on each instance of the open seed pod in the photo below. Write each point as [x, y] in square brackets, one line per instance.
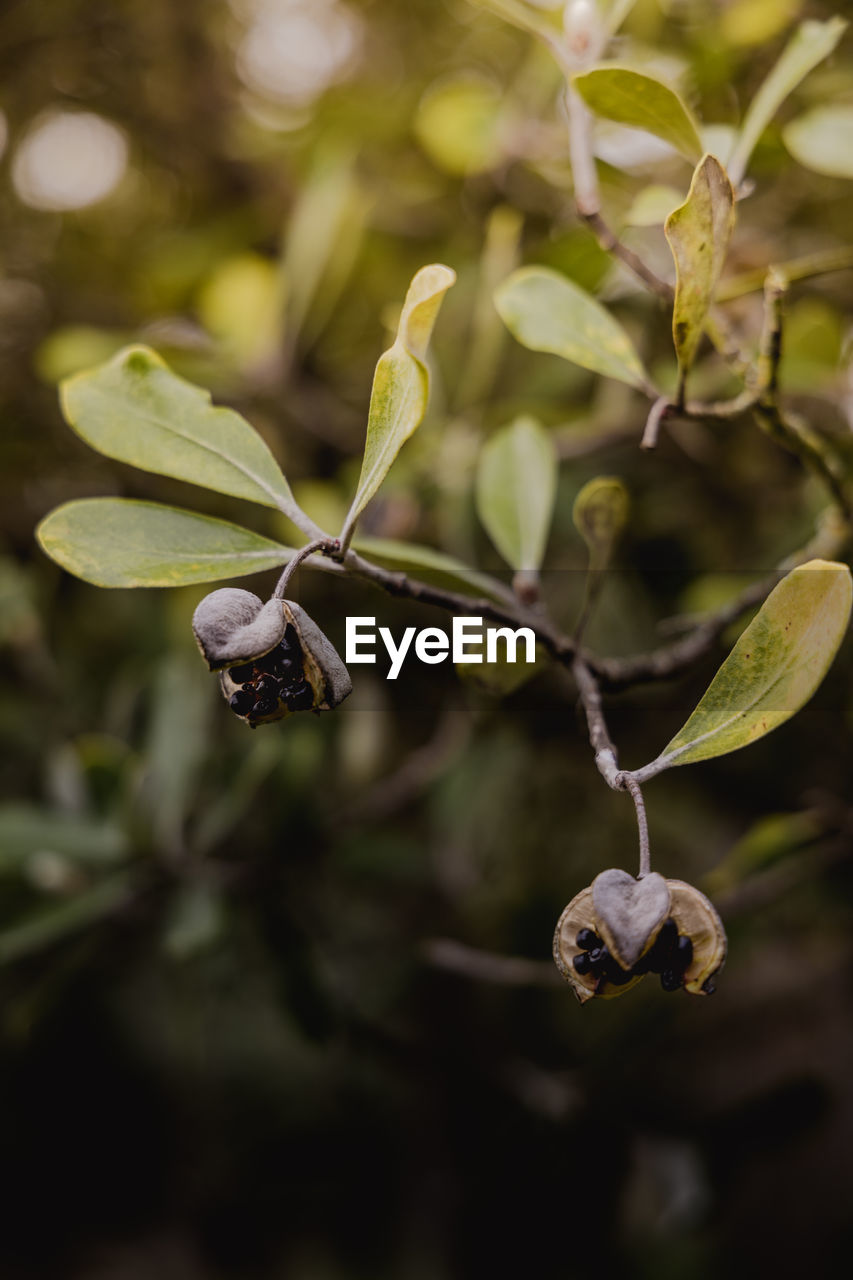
[582, 956]
[696, 919]
[618, 929]
[272, 658]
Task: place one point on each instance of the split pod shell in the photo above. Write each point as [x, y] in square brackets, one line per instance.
[272, 658]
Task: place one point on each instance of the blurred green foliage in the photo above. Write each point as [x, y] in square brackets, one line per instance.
[229, 1043]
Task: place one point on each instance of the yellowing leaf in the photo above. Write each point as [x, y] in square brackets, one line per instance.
[119, 542]
[600, 513]
[698, 233]
[547, 312]
[775, 667]
[515, 491]
[400, 392]
[641, 101]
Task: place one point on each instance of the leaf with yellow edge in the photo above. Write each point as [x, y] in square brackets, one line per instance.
[400, 392]
[698, 232]
[774, 668]
[547, 312]
[120, 542]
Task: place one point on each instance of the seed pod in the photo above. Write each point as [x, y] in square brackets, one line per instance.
[618, 929]
[629, 912]
[578, 916]
[697, 920]
[273, 660]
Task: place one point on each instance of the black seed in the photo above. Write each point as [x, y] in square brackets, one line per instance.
[302, 698]
[600, 985]
[683, 953]
[670, 980]
[265, 707]
[241, 702]
[267, 663]
[242, 673]
[268, 687]
[597, 955]
[586, 940]
[614, 973]
[581, 963]
[709, 987]
[658, 956]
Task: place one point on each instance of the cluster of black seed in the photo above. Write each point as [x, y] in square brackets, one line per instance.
[279, 676]
[670, 956]
[597, 961]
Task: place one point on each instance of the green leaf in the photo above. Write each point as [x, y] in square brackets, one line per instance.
[547, 312]
[638, 100]
[698, 233]
[515, 491]
[178, 742]
[400, 392]
[26, 831]
[810, 44]
[822, 140]
[57, 922]
[600, 513]
[774, 668]
[119, 542]
[432, 566]
[324, 235]
[136, 410]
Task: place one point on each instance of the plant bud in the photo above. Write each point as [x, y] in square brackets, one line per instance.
[618, 929]
[273, 660]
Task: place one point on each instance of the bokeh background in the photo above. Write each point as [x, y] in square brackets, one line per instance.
[281, 1004]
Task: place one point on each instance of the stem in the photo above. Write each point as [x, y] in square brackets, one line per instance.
[327, 545]
[599, 735]
[630, 783]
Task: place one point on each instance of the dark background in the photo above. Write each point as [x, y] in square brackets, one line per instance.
[234, 1038]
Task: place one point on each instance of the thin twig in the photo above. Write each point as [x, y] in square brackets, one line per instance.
[610, 243]
[599, 735]
[327, 545]
[630, 784]
[488, 966]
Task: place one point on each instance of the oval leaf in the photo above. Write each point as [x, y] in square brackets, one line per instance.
[810, 44]
[136, 410]
[775, 667]
[822, 140]
[432, 566]
[547, 312]
[515, 491]
[398, 400]
[698, 233]
[638, 100]
[600, 514]
[119, 542]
